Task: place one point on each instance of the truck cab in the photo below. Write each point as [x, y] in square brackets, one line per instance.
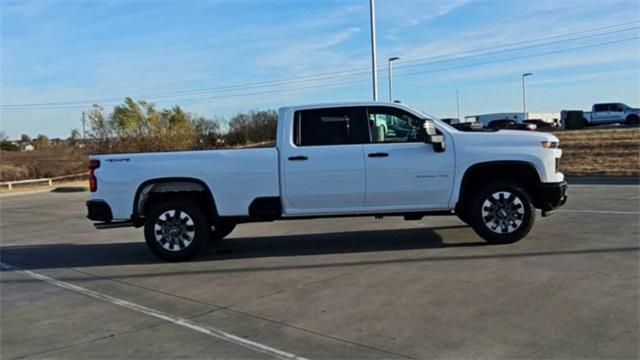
[355, 159]
[612, 113]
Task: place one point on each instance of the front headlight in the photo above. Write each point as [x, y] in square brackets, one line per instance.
[550, 144]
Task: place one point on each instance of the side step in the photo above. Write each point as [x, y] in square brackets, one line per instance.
[113, 225]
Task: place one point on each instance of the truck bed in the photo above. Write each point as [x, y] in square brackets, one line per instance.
[235, 177]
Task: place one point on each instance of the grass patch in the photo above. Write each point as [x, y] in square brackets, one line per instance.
[45, 163]
[601, 152]
[590, 152]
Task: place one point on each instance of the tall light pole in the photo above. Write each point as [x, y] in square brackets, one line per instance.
[374, 61]
[391, 76]
[524, 95]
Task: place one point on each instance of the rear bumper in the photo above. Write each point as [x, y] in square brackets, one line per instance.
[99, 210]
[551, 195]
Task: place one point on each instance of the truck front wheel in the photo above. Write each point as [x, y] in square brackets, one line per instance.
[632, 119]
[502, 213]
[175, 229]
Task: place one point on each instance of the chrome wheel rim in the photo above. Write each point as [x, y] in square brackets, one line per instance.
[503, 212]
[174, 230]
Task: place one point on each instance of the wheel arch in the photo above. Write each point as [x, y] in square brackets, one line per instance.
[520, 171]
[162, 188]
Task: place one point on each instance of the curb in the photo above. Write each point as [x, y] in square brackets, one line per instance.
[54, 189]
[603, 180]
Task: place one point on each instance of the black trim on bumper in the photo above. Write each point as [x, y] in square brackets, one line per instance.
[99, 210]
[552, 195]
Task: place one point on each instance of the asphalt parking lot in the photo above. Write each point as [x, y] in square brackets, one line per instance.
[330, 288]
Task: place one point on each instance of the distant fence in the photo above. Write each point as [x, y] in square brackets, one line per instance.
[10, 184]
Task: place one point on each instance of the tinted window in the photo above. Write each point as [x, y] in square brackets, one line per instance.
[330, 126]
[617, 107]
[600, 107]
[394, 125]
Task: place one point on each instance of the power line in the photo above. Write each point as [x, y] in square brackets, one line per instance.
[342, 83]
[342, 73]
[524, 56]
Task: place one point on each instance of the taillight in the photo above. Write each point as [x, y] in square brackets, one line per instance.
[93, 181]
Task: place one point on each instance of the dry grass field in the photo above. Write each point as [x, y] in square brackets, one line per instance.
[590, 152]
[600, 152]
[50, 162]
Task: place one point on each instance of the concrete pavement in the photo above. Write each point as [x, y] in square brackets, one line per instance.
[327, 288]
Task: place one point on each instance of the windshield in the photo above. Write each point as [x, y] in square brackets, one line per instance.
[425, 116]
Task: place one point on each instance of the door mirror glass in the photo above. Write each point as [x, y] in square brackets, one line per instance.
[432, 137]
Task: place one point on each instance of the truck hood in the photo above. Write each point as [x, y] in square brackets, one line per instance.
[508, 137]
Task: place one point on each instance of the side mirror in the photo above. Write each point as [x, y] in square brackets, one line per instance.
[432, 137]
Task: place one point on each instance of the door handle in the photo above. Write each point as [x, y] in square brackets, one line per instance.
[298, 158]
[378, 154]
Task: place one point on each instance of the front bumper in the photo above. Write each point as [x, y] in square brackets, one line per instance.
[99, 210]
[551, 196]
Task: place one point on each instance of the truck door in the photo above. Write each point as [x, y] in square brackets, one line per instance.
[600, 114]
[402, 171]
[324, 163]
[617, 113]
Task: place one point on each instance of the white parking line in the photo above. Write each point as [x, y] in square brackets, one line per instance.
[158, 314]
[600, 212]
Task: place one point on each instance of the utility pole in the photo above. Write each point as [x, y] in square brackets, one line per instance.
[458, 104]
[391, 60]
[524, 96]
[374, 61]
[83, 127]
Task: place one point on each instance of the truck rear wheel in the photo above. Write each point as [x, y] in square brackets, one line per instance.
[220, 231]
[502, 213]
[175, 229]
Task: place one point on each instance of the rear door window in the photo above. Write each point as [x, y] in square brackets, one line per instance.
[330, 126]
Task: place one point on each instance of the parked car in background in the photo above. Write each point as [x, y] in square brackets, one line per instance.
[468, 126]
[541, 124]
[612, 113]
[510, 125]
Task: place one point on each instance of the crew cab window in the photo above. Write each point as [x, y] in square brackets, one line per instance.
[600, 107]
[391, 125]
[330, 126]
[617, 108]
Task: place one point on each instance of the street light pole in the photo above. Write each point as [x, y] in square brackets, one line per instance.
[391, 60]
[524, 96]
[374, 61]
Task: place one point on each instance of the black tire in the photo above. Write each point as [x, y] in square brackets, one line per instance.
[176, 236]
[632, 119]
[220, 231]
[502, 213]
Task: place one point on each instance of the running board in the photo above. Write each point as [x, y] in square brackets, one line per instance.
[113, 225]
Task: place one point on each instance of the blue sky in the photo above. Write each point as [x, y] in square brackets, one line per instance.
[86, 51]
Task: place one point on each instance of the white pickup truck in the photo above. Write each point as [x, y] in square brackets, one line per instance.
[612, 113]
[350, 159]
